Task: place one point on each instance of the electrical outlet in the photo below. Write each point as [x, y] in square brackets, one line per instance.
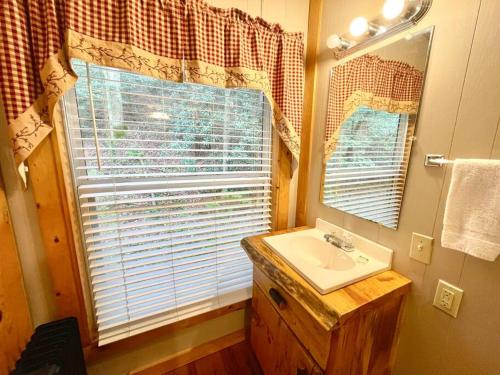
[448, 298]
[421, 248]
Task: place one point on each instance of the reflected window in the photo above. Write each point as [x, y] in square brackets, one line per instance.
[365, 175]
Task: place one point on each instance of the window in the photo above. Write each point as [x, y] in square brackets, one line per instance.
[365, 175]
[169, 178]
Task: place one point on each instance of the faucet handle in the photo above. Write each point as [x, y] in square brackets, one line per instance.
[348, 240]
[347, 237]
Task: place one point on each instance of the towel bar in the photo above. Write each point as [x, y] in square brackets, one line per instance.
[436, 160]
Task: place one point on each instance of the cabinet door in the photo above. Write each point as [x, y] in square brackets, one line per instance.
[275, 346]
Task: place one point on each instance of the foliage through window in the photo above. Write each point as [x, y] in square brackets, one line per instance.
[365, 174]
[169, 178]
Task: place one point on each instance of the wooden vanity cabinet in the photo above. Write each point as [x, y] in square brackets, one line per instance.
[288, 340]
[275, 346]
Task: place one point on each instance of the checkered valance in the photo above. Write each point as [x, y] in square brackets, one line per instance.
[177, 40]
[385, 85]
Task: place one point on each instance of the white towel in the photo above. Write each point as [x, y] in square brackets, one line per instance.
[472, 216]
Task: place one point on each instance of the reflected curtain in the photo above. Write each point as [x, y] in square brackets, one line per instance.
[176, 40]
[384, 85]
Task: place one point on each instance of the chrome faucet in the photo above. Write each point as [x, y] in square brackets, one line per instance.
[341, 243]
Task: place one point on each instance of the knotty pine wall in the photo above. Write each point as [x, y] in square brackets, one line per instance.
[460, 118]
[15, 320]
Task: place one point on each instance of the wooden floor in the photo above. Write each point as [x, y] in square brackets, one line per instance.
[237, 359]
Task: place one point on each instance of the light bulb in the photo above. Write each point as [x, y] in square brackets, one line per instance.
[333, 41]
[381, 30]
[393, 8]
[359, 26]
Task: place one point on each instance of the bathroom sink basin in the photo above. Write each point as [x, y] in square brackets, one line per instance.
[328, 267]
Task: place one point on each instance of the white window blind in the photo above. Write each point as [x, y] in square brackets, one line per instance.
[169, 178]
[366, 174]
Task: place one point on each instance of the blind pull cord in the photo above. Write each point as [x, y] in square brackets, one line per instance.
[94, 125]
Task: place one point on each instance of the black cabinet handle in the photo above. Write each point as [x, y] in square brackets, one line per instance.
[278, 298]
[301, 371]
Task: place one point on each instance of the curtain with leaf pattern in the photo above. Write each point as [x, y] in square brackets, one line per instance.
[384, 85]
[176, 40]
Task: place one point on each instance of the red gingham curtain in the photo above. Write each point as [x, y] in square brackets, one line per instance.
[369, 80]
[177, 40]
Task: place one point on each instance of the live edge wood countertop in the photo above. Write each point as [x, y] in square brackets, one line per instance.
[333, 308]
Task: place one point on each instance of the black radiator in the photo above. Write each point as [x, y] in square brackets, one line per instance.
[54, 348]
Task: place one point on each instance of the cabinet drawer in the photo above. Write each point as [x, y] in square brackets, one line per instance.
[309, 332]
[274, 345]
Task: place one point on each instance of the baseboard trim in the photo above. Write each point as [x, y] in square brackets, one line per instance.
[187, 356]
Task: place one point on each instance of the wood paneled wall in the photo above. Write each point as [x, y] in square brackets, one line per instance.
[15, 320]
[460, 117]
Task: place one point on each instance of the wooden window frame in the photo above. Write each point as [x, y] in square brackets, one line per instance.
[50, 176]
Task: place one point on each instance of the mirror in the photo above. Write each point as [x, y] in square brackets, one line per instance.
[373, 103]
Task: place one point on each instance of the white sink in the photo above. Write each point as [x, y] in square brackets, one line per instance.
[325, 266]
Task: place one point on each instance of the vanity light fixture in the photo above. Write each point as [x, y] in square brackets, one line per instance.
[396, 16]
[335, 41]
[393, 8]
[358, 26]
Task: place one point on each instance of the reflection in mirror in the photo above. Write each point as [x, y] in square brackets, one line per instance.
[373, 102]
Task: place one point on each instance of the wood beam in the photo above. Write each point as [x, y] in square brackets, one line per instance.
[313, 39]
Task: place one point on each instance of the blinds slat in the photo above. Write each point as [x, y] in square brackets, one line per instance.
[376, 209]
[352, 195]
[352, 181]
[156, 166]
[169, 133]
[152, 123]
[263, 192]
[360, 198]
[92, 158]
[178, 177]
[255, 206]
[170, 237]
[182, 223]
[128, 141]
[168, 182]
[364, 177]
[165, 149]
[339, 174]
[177, 247]
[386, 202]
[354, 189]
[177, 99]
[194, 215]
